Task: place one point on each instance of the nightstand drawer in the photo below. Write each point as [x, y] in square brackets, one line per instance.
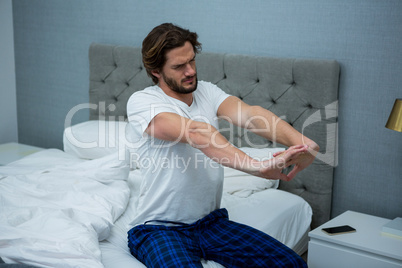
[323, 254]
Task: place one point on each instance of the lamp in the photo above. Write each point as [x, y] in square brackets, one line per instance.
[394, 227]
[395, 118]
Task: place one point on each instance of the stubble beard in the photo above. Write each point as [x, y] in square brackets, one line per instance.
[174, 86]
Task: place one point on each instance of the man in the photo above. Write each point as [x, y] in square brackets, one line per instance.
[179, 219]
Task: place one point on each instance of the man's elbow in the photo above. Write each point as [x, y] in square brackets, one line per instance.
[200, 135]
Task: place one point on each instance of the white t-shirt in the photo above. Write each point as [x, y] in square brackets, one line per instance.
[179, 182]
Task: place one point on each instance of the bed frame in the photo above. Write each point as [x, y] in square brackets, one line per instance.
[303, 92]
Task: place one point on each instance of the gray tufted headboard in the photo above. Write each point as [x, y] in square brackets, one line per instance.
[303, 92]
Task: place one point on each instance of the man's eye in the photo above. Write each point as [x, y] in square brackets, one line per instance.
[177, 67]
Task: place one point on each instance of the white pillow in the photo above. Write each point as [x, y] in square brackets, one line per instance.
[97, 138]
[243, 184]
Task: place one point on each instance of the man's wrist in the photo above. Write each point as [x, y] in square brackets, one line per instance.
[312, 146]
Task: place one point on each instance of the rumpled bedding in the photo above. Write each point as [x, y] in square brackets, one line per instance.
[55, 208]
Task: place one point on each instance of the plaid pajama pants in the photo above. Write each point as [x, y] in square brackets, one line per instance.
[215, 238]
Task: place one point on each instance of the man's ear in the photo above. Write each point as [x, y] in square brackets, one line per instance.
[156, 73]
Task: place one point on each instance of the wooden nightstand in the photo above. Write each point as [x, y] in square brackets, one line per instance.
[364, 248]
[10, 152]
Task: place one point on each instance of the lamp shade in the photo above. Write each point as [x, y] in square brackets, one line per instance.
[395, 118]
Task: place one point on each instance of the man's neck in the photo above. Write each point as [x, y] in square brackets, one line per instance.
[186, 98]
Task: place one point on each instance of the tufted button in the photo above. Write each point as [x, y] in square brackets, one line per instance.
[103, 81]
[309, 106]
[273, 101]
[127, 84]
[111, 107]
[257, 81]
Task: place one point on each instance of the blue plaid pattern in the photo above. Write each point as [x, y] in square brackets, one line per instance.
[215, 238]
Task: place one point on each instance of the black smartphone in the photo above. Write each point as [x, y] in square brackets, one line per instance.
[344, 229]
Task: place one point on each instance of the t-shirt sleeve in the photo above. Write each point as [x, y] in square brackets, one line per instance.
[142, 107]
[215, 94]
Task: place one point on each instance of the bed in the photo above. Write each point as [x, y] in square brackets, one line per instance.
[71, 207]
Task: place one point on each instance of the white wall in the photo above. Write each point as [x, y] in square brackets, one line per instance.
[8, 96]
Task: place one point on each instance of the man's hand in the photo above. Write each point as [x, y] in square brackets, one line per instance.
[272, 168]
[300, 160]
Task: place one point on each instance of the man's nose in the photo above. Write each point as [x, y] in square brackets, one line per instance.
[190, 70]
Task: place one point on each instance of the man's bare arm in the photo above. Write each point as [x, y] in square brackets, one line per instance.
[262, 122]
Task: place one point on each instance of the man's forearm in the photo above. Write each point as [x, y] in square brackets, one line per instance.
[266, 124]
[262, 122]
[213, 144]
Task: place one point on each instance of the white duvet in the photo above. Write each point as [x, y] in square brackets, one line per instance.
[55, 208]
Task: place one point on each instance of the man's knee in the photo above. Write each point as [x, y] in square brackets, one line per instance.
[163, 248]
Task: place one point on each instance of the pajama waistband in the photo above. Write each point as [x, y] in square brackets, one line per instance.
[213, 216]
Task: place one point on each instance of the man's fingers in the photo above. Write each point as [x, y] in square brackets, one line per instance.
[284, 177]
[277, 153]
[293, 150]
[285, 159]
[296, 158]
[293, 154]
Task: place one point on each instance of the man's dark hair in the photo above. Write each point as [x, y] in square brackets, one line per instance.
[160, 40]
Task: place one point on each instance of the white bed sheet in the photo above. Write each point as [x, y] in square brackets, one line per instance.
[282, 215]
